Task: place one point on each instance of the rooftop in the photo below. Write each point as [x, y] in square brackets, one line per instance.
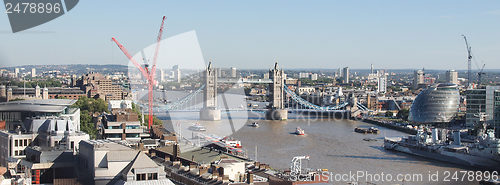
[107, 145]
[202, 155]
[49, 105]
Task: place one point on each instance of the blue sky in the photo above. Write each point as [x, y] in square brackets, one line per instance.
[251, 34]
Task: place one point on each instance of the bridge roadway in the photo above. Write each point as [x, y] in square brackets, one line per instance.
[259, 110]
[243, 80]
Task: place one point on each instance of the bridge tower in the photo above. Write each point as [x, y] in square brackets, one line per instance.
[209, 112]
[354, 111]
[276, 92]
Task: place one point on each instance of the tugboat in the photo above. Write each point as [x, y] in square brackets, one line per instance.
[197, 127]
[255, 124]
[371, 130]
[299, 131]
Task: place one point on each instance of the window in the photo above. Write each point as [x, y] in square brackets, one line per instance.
[141, 177]
[25, 142]
[72, 144]
[16, 143]
[16, 153]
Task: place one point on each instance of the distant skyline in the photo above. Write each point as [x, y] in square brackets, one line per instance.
[252, 34]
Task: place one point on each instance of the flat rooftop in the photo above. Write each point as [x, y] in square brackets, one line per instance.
[107, 145]
[49, 105]
[201, 155]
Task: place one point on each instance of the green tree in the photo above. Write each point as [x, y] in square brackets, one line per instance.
[388, 114]
[86, 124]
[89, 106]
[403, 114]
[135, 108]
[156, 120]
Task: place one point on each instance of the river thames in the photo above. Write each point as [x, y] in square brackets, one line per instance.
[331, 144]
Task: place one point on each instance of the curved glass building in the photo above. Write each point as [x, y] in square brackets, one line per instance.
[436, 104]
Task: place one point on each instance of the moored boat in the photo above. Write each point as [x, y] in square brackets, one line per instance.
[371, 130]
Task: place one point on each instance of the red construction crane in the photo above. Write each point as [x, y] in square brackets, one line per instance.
[149, 75]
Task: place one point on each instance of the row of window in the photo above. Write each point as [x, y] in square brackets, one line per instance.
[126, 127]
[150, 176]
[19, 152]
[22, 142]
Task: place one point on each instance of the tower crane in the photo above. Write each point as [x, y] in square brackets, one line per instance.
[469, 60]
[146, 72]
[480, 74]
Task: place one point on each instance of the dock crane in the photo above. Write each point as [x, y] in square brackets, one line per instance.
[469, 60]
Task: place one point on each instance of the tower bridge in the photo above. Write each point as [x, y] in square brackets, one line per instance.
[277, 110]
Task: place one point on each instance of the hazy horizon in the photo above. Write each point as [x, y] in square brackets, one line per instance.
[286, 68]
[251, 35]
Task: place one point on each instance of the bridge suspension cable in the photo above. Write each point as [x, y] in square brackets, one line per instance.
[176, 105]
[310, 105]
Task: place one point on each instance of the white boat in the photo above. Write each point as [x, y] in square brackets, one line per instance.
[299, 131]
[197, 127]
[255, 124]
[232, 142]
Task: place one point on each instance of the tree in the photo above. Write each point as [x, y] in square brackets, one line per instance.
[388, 114]
[86, 124]
[89, 106]
[137, 111]
[156, 120]
[403, 114]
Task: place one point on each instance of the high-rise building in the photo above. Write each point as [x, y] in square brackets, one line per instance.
[219, 72]
[233, 72]
[382, 84]
[265, 76]
[303, 75]
[452, 76]
[483, 103]
[16, 71]
[418, 78]
[345, 75]
[162, 75]
[493, 106]
[33, 72]
[177, 73]
[314, 76]
[371, 69]
[475, 106]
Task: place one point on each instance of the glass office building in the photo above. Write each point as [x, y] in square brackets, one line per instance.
[493, 106]
[483, 102]
[436, 104]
